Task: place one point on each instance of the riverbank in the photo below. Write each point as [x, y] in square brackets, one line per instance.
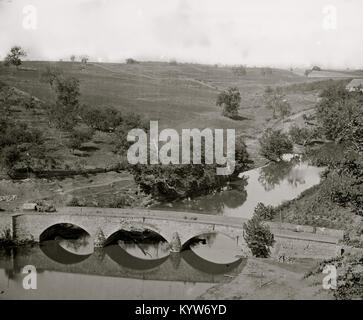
[268, 279]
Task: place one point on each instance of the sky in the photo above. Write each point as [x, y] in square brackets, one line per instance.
[278, 33]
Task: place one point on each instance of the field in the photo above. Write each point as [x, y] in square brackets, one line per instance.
[179, 96]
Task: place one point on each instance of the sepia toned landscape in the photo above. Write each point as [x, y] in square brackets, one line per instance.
[97, 227]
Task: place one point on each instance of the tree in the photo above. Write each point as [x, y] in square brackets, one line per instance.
[229, 100]
[170, 182]
[84, 59]
[64, 113]
[51, 74]
[258, 237]
[276, 101]
[14, 57]
[264, 212]
[274, 143]
[302, 135]
[340, 116]
[73, 57]
[131, 61]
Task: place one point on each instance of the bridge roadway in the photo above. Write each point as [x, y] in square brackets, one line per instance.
[176, 228]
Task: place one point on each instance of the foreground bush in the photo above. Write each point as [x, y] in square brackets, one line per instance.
[258, 237]
[21, 147]
[350, 275]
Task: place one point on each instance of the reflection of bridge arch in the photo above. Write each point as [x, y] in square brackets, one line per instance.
[209, 267]
[54, 251]
[124, 259]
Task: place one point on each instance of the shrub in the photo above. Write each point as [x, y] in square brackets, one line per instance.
[258, 237]
[344, 184]
[104, 119]
[79, 136]
[264, 212]
[340, 115]
[302, 135]
[349, 272]
[276, 101]
[274, 143]
[131, 61]
[168, 182]
[229, 100]
[64, 113]
[21, 146]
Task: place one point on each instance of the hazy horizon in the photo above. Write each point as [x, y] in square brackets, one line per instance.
[280, 33]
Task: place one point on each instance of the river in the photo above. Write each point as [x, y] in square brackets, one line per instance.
[140, 266]
[271, 185]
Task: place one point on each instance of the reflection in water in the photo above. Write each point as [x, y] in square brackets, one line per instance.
[119, 270]
[216, 248]
[122, 257]
[210, 267]
[232, 196]
[275, 173]
[271, 185]
[53, 250]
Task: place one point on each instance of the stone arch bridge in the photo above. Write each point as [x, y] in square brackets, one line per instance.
[101, 223]
[175, 227]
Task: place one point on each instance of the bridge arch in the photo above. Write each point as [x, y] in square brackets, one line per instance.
[188, 241]
[133, 227]
[145, 233]
[63, 229]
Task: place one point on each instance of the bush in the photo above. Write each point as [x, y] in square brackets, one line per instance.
[276, 101]
[274, 143]
[104, 119]
[20, 146]
[302, 135]
[340, 116]
[344, 184]
[131, 61]
[64, 113]
[349, 272]
[79, 136]
[258, 237]
[264, 212]
[169, 182]
[229, 100]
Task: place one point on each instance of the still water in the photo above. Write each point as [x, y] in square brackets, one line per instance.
[72, 269]
[141, 266]
[271, 185]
